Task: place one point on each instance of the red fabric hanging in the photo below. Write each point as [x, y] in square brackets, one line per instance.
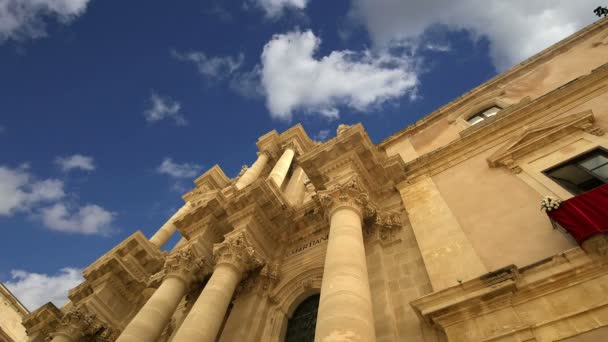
[584, 215]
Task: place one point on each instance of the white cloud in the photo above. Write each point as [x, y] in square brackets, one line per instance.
[294, 79]
[322, 135]
[176, 170]
[19, 191]
[515, 29]
[213, 67]
[164, 108]
[36, 289]
[88, 219]
[76, 161]
[20, 19]
[274, 8]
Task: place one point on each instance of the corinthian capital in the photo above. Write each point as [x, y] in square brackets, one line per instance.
[75, 324]
[185, 265]
[237, 252]
[291, 145]
[349, 194]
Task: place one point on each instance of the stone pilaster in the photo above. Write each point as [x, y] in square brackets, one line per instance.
[164, 233]
[233, 258]
[345, 307]
[181, 269]
[279, 172]
[252, 173]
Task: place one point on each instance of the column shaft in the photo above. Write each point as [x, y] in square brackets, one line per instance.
[163, 234]
[281, 168]
[205, 318]
[295, 188]
[345, 307]
[253, 172]
[151, 320]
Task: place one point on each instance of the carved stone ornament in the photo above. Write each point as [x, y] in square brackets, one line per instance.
[342, 128]
[349, 194]
[236, 251]
[76, 323]
[291, 146]
[269, 275]
[387, 224]
[185, 265]
[244, 169]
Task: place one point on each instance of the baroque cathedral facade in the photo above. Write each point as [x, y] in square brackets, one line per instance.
[433, 234]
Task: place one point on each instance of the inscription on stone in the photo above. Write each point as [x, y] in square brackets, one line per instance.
[306, 245]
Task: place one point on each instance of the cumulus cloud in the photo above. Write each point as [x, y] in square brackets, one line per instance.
[294, 79]
[20, 19]
[162, 108]
[76, 161]
[515, 29]
[177, 170]
[274, 8]
[36, 289]
[19, 190]
[217, 67]
[44, 199]
[88, 219]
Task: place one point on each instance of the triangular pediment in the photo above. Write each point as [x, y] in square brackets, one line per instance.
[534, 137]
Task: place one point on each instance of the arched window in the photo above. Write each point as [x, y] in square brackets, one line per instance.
[301, 325]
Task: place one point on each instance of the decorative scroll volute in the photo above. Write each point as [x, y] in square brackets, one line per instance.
[237, 252]
[185, 265]
[351, 195]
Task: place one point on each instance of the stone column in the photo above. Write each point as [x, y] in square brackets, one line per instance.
[181, 269]
[345, 307]
[253, 172]
[74, 325]
[233, 257]
[163, 234]
[296, 188]
[281, 168]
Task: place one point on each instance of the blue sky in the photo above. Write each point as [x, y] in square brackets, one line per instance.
[109, 109]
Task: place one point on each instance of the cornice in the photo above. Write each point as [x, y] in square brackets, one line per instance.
[354, 148]
[497, 81]
[213, 179]
[506, 287]
[14, 301]
[507, 126]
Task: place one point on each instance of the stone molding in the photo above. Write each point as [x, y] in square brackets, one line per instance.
[537, 136]
[506, 127]
[185, 265]
[350, 194]
[511, 289]
[237, 252]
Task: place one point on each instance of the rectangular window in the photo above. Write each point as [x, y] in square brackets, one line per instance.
[581, 173]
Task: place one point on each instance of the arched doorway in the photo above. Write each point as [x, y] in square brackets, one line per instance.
[301, 325]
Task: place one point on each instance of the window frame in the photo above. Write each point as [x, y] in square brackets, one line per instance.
[482, 115]
[575, 161]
